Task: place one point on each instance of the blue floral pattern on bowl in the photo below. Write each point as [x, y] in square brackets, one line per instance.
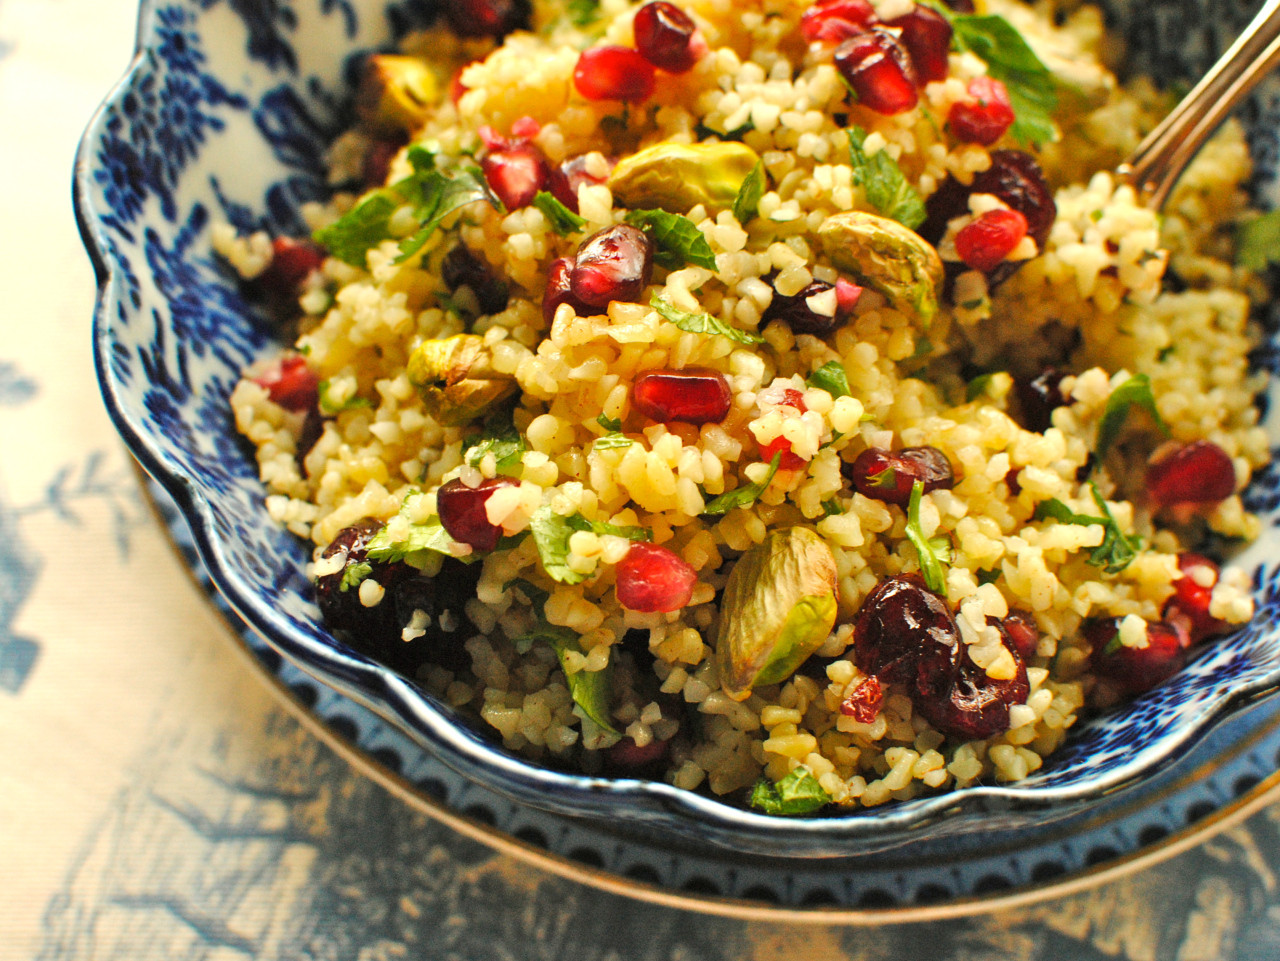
[224, 114]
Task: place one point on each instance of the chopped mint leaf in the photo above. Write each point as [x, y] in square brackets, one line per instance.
[563, 220]
[505, 444]
[551, 533]
[934, 552]
[1009, 59]
[583, 13]
[611, 424]
[354, 575]
[831, 507]
[1112, 646]
[749, 194]
[743, 496]
[589, 689]
[612, 441]
[676, 239]
[1116, 551]
[701, 323]
[418, 541]
[1134, 392]
[832, 378]
[988, 577]
[363, 227]
[883, 182]
[329, 407]
[977, 387]
[1258, 241]
[797, 793]
[631, 533]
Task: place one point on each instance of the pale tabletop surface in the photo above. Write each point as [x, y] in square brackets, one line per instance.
[157, 801]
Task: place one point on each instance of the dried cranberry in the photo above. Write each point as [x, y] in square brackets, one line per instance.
[291, 383]
[376, 163]
[695, 395]
[927, 36]
[986, 117]
[888, 476]
[1020, 634]
[665, 36]
[612, 264]
[462, 511]
[628, 759]
[1199, 473]
[985, 242]
[836, 20]
[1038, 398]
[516, 172]
[653, 579]
[879, 69]
[1133, 670]
[293, 260]
[1191, 599]
[568, 177]
[864, 701]
[613, 73]
[798, 313]
[977, 705]
[487, 18]
[462, 267]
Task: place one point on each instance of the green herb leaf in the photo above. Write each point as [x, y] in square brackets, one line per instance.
[612, 441]
[1112, 646]
[676, 239]
[563, 220]
[583, 13]
[505, 444]
[611, 424]
[1116, 551]
[1258, 241]
[977, 387]
[831, 377]
[883, 182]
[743, 496]
[701, 323]
[797, 793]
[831, 507]
[749, 194]
[418, 541]
[354, 575]
[590, 690]
[363, 227]
[988, 577]
[329, 407]
[1134, 392]
[1009, 59]
[551, 533]
[934, 552]
[631, 533]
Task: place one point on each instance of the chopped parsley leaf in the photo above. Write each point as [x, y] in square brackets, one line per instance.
[883, 182]
[676, 239]
[831, 377]
[749, 194]
[743, 496]
[1116, 551]
[797, 793]
[1134, 392]
[563, 220]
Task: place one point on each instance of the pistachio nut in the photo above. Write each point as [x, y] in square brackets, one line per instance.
[676, 177]
[887, 257]
[778, 607]
[456, 379]
[396, 94]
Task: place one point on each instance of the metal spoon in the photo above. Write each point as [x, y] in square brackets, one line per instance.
[1159, 160]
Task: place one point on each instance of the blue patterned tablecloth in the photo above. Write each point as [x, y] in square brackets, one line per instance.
[158, 801]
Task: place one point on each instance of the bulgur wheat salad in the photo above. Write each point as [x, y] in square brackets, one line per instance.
[780, 399]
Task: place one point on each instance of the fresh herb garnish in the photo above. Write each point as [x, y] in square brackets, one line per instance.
[631, 533]
[676, 239]
[1009, 59]
[563, 220]
[330, 407]
[701, 323]
[415, 544]
[354, 574]
[609, 423]
[883, 182]
[831, 506]
[832, 378]
[589, 689]
[612, 441]
[551, 533]
[934, 552]
[797, 793]
[743, 496]
[1134, 392]
[1116, 551]
[582, 13]
[1258, 241]
[749, 194]
[977, 387]
[505, 444]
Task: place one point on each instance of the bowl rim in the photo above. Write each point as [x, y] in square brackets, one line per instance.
[653, 804]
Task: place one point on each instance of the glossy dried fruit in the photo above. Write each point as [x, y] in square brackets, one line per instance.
[463, 267]
[1038, 398]
[487, 18]
[814, 310]
[888, 476]
[1130, 671]
[693, 395]
[653, 578]
[927, 36]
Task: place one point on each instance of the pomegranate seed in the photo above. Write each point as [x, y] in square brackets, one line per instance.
[1133, 670]
[462, 511]
[985, 118]
[559, 292]
[628, 758]
[927, 36]
[1020, 634]
[291, 383]
[516, 172]
[292, 262]
[654, 579]
[695, 395]
[613, 73]
[847, 296]
[487, 18]
[888, 476]
[985, 242]
[1191, 599]
[1039, 398]
[568, 177]
[864, 701]
[525, 128]
[462, 267]
[798, 313]
[878, 68]
[836, 20]
[665, 37]
[612, 264]
[788, 397]
[1198, 473]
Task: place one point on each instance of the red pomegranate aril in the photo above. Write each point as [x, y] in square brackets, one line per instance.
[614, 73]
[888, 476]
[787, 459]
[797, 311]
[986, 241]
[627, 757]
[927, 36]
[879, 69]
[292, 262]
[694, 395]
[653, 579]
[986, 117]
[1016, 179]
[1134, 670]
[612, 264]
[487, 18]
[559, 292]
[864, 701]
[1199, 473]
[836, 20]
[569, 176]
[291, 383]
[1192, 595]
[1020, 634]
[516, 172]
[665, 37]
[462, 511]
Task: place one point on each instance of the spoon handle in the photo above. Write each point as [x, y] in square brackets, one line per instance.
[1159, 160]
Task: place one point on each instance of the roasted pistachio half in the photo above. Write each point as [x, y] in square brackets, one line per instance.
[887, 257]
[396, 94]
[778, 607]
[676, 176]
[456, 379]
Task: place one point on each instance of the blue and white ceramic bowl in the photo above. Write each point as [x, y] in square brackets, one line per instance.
[224, 114]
